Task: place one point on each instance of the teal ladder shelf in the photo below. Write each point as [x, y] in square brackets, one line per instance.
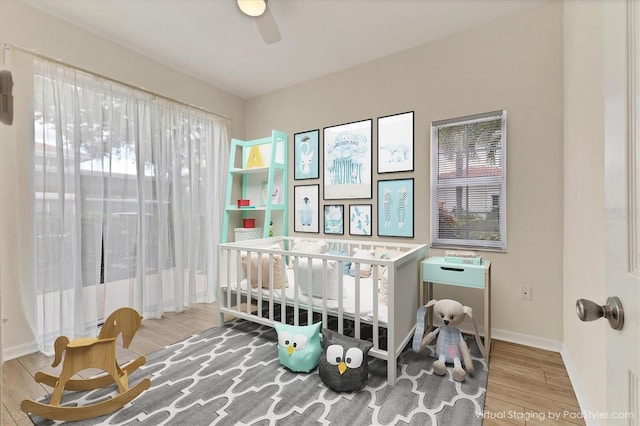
[258, 184]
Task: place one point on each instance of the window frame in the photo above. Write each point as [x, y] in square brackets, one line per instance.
[469, 182]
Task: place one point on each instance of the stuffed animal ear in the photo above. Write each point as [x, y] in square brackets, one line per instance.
[468, 311]
[431, 302]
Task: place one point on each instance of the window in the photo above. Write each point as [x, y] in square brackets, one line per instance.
[468, 182]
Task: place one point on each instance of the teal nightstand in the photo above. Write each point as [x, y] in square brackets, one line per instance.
[436, 270]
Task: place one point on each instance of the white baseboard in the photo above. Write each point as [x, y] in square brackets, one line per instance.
[519, 338]
[574, 377]
[18, 351]
[527, 340]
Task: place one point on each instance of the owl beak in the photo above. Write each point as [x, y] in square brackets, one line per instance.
[342, 367]
[290, 349]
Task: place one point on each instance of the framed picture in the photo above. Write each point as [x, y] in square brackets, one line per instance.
[347, 160]
[306, 153]
[360, 220]
[334, 219]
[395, 143]
[395, 208]
[306, 202]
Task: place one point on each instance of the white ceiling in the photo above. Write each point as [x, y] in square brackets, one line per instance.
[213, 41]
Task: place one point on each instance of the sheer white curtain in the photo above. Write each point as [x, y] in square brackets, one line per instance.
[127, 202]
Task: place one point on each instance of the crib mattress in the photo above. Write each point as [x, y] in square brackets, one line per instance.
[367, 296]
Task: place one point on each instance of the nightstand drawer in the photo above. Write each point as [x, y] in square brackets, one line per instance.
[436, 270]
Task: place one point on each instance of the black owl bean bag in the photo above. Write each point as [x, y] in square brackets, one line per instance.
[344, 363]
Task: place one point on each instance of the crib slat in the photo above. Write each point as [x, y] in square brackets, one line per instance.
[374, 295]
[223, 297]
[239, 271]
[296, 299]
[325, 320]
[271, 285]
[340, 298]
[310, 292]
[357, 307]
[259, 290]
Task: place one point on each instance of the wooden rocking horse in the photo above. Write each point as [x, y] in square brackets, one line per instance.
[91, 352]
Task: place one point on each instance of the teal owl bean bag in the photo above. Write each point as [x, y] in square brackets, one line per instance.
[299, 347]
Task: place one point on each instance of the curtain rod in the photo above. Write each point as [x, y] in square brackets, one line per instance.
[8, 46]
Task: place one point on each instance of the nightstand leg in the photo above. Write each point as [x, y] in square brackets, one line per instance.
[421, 287]
[487, 314]
[430, 310]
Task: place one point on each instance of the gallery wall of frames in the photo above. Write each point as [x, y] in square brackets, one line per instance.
[341, 159]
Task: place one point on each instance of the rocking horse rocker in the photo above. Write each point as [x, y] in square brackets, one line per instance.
[91, 352]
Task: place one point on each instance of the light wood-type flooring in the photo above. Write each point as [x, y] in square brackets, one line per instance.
[527, 386]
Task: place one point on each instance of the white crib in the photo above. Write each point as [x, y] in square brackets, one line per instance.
[269, 280]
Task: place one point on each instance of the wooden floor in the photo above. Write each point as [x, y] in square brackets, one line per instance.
[526, 386]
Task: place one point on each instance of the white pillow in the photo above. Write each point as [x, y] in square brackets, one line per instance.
[363, 269]
[305, 246]
[385, 253]
[317, 282]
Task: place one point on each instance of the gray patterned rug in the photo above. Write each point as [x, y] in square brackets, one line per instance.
[231, 376]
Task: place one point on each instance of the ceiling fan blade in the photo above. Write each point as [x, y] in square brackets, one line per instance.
[268, 27]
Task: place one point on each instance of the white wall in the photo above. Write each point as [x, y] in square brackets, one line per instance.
[514, 64]
[584, 199]
[25, 27]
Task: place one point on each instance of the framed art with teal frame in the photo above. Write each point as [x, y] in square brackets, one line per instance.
[360, 221]
[347, 160]
[395, 208]
[334, 219]
[306, 200]
[306, 154]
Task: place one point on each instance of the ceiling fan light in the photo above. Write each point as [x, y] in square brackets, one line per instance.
[252, 7]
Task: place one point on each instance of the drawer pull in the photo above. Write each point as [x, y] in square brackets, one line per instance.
[448, 268]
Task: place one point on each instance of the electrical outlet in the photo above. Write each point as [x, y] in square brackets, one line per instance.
[525, 292]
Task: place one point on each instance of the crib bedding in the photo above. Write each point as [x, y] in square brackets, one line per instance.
[366, 307]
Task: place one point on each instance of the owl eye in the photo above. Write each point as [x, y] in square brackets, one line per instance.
[299, 342]
[334, 354]
[354, 358]
[284, 338]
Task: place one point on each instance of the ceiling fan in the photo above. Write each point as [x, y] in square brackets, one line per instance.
[265, 21]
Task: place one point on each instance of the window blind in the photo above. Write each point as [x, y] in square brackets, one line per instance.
[469, 181]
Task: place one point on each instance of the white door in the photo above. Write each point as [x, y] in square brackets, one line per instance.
[622, 186]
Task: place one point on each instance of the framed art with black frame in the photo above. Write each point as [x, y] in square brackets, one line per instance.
[334, 219]
[395, 143]
[360, 220]
[347, 160]
[395, 208]
[306, 154]
[306, 208]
